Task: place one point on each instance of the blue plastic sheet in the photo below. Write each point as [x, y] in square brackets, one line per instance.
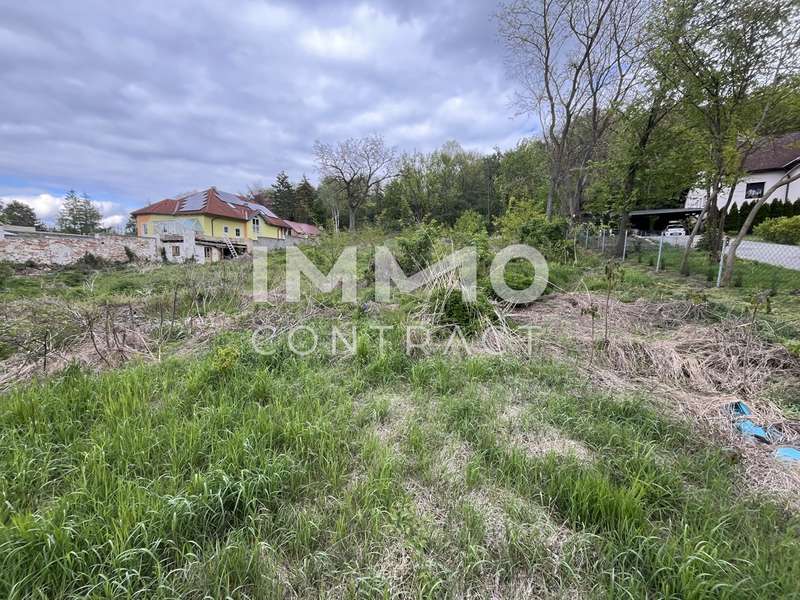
[786, 453]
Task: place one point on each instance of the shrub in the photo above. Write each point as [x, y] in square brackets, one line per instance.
[451, 309]
[416, 246]
[783, 230]
[524, 222]
[90, 262]
[470, 230]
[6, 273]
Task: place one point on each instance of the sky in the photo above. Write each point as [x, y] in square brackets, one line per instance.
[134, 102]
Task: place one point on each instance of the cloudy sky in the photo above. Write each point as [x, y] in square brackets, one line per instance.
[134, 102]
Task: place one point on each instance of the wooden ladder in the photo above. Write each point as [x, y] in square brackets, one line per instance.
[230, 247]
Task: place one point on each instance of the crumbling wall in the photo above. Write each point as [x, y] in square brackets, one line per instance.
[64, 249]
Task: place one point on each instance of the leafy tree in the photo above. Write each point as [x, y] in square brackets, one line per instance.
[396, 213]
[78, 215]
[728, 60]
[17, 213]
[523, 173]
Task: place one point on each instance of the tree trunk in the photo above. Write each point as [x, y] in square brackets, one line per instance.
[730, 259]
[624, 223]
[549, 209]
[352, 224]
[695, 230]
[335, 217]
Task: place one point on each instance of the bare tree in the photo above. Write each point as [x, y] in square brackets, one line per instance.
[573, 58]
[360, 165]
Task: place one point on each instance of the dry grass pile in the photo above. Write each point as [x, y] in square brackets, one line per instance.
[673, 343]
[688, 362]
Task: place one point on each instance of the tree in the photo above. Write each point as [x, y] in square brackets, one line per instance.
[359, 165]
[572, 58]
[304, 198]
[397, 213]
[283, 197]
[17, 213]
[727, 58]
[730, 259]
[78, 215]
[523, 173]
[130, 226]
[331, 196]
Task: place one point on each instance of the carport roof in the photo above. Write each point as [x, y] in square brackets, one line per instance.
[664, 211]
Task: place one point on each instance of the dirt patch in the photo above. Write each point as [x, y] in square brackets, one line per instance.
[392, 426]
[545, 439]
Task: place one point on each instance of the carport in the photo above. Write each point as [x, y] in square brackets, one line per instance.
[654, 220]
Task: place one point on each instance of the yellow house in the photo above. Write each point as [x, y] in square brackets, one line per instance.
[211, 214]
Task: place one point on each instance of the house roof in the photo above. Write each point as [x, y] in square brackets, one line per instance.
[774, 153]
[208, 202]
[278, 222]
[303, 228]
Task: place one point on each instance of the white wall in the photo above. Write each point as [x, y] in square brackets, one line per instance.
[697, 197]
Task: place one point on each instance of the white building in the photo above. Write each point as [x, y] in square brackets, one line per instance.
[771, 160]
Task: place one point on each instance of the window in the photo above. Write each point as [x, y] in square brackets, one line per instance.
[176, 251]
[754, 190]
[144, 229]
[207, 252]
[237, 232]
[256, 226]
[225, 230]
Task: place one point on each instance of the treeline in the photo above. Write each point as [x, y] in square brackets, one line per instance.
[440, 185]
[78, 215]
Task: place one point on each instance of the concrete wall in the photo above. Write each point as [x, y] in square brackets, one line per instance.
[289, 241]
[65, 249]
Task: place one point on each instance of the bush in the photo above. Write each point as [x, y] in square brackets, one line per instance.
[451, 309]
[416, 246]
[783, 230]
[470, 230]
[525, 223]
[6, 273]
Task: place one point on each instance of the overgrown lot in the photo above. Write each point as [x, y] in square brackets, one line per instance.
[204, 466]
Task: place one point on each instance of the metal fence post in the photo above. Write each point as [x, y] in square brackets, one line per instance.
[721, 261]
[587, 237]
[625, 246]
[603, 241]
[660, 247]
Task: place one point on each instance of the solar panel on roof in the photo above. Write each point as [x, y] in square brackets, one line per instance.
[194, 202]
[263, 209]
[230, 198]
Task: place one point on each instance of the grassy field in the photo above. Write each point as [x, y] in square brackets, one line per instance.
[230, 472]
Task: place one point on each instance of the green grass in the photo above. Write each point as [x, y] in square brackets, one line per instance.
[243, 475]
[373, 475]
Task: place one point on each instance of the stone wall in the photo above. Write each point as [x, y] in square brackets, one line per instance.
[64, 249]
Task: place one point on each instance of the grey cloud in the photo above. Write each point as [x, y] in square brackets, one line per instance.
[143, 100]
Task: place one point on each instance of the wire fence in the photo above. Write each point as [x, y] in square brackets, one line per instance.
[758, 264]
